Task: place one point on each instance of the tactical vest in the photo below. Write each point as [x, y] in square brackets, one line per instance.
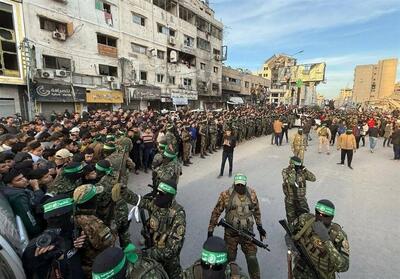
[295, 191]
[160, 223]
[240, 210]
[315, 247]
[231, 271]
[146, 268]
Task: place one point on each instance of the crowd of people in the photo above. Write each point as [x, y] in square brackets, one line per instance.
[66, 178]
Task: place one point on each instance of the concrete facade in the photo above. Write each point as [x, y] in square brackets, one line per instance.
[150, 51]
[345, 96]
[374, 81]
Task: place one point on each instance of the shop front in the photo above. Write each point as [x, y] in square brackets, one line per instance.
[57, 98]
[144, 97]
[182, 97]
[104, 99]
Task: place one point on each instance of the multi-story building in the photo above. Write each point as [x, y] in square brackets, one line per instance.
[136, 53]
[345, 97]
[243, 86]
[13, 97]
[374, 81]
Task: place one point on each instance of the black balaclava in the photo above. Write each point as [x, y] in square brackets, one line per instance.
[214, 258]
[300, 131]
[165, 194]
[64, 222]
[239, 184]
[324, 212]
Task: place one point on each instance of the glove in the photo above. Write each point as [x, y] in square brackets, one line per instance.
[116, 192]
[320, 229]
[210, 234]
[262, 232]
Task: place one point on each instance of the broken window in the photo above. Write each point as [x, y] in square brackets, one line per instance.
[188, 59]
[186, 14]
[187, 82]
[106, 70]
[143, 75]
[58, 63]
[160, 78]
[106, 40]
[203, 44]
[100, 5]
[216, 32]
[215, 87]
[8, 48]
[160, 54]
[165, 30]
[52, 25]
[203, 24]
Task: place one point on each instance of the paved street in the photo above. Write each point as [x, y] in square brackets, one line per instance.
[366, 200]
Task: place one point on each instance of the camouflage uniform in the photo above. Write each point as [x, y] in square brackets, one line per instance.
[195, 272]
[99, 237]
[299, 145]
[63, 185]
[203, 138]
[328, 257]
[213, 137]
[167, 228]
[241, 213]
[171, 140]
[294, 188]
[145, 268]
[186, 145]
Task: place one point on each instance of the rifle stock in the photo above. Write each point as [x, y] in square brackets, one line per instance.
[303, 254]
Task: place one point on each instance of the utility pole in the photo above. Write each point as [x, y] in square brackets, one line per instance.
[26, 52]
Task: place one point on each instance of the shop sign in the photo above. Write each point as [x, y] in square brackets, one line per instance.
[180, 101]
[182, 93]
[144, 93]
[104, 97]
[58, 93]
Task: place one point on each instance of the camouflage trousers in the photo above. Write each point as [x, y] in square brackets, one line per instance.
[203, 145]
[213, 142]
[186, 151]
[121, 222]
[249, 249]
[299, 152]
[294, 208]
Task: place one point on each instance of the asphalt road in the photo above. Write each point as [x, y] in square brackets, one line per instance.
[366, 200]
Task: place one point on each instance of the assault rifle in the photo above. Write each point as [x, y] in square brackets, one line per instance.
[148, 241]
[303, 254]
[245, 234]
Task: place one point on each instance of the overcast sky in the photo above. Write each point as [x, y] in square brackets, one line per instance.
[341, 33]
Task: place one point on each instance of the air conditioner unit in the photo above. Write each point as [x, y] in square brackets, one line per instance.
[115, 86]
[109, 79]
[59, 36]
[7, 35]
[61, 73]
[143, 82]
[46, 74]
[217, 57]
[171, 41]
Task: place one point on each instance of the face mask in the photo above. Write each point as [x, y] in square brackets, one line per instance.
[297, 168]
[326, 220]
[163, 200]
[61, 222]
[212, 274]
[240, 189]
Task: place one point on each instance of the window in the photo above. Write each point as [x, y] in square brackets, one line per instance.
[51, 25]
[215, 87]
[160, 78]
[143, 75]
[59, 63]
[265, 75]
[246, 84]
[187, 82]
[171, 80]
[138, 19]
[160, 3]
[160, 54]
[188, 41]
[265, 68]
[202, 24]
[215, 69]
[202, 66]
[203, 44]
[216, 32]
[186, 14]
[105, 70]
[100, 5]
[165, 30]
[216, 51]
[8, 46]
[138, 48]
[168, 5]
[106, 40]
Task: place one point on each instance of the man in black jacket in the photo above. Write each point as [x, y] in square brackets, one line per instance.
[228, 144]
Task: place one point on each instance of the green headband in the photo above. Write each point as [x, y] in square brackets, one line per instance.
[295, 162]
[214, 258]
[325, 209]
[169, 155]
[103, 169]
[166, 188]
[73, 170]
[162, 145]
[109, 147]
[88, 195]
[110, 137]
[129, 254]
[57, 204]
[240, 179]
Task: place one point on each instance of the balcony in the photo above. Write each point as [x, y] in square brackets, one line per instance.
[107, 50]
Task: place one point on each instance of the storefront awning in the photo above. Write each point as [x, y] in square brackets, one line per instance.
[104, 97]
[235, 101]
